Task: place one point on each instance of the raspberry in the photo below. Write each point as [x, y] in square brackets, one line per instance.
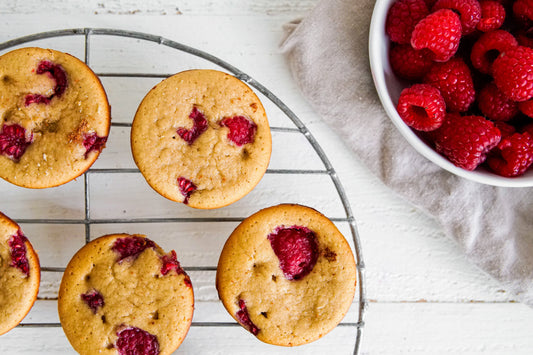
[525, 37]
[92, 142]
[454, 81]
[19, 260]
[495, 105]
[244, 318]
[523, 9]
[170, 262]
[469, 11]
[402, 18]
[130, 247]
[135, 341]
[526, 107]
[408, 63]
[528, 128]
[13, 141]
[488, 47]
[492, 16]
[55, 72]
[241, 129]
[466, 140]
[94, 300]
[199, 127]
[440, 32]
[513, 73]
[421, 107]
[187, 187]
[297, 250]
[513, 155]
[505, 128]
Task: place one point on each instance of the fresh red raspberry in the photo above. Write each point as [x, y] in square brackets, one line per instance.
[495, 105]
[199, 127]
[488, 47]
[408, 63]
[297, 250]
[454, 81]
[505, 128]
[528, 128]
[492, 16]
[402, 18]
[513, 73]
[440, 32]
[526, 107]
[469, 10]
[187, 187]
[241, 129]
[422, 107]
[466, 140]
[525, 37]
[92, 142]
[430, 3]
[523, 9]
[13, 141]
[513, 155]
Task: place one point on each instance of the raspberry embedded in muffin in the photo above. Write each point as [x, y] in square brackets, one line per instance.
[124, 292]
[20, 274]
[280, 270]
[55, 117]
[208, 145]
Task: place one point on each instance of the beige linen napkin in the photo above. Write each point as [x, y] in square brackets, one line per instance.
[328, 55]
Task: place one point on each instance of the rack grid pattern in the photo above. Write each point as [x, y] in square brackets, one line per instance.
[87, 221]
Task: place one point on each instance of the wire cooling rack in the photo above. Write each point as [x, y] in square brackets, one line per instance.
[87, 35]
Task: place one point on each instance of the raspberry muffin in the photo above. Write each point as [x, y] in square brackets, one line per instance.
[201, 137]
[54, 114]
[287, 275]
[20, 275]
[121, 294]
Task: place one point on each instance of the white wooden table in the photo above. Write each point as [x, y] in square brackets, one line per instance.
[424, 297]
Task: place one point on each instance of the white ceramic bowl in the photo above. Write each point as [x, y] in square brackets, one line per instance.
[389, 87]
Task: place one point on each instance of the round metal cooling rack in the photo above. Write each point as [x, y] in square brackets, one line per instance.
[85, 34]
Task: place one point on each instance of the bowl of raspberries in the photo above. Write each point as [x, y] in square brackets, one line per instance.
[456, 79]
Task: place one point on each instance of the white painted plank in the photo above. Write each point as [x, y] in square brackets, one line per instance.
[433, 328]
[290, 150]
[203, 283]
[390, 328]
[63, 202]
[127, 195]
[125, 94]
[199, 340]
[45, 311]
[161, 7]
[55, 243]
[197, 244]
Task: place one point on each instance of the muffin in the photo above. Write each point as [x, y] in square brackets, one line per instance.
[20, 275]
[55, 117]
[287, 275]
[121, 293]
[201, 137]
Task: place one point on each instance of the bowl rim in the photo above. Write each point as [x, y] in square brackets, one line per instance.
[375, 43]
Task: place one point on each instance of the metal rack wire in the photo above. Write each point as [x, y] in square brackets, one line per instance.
[87, 221]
